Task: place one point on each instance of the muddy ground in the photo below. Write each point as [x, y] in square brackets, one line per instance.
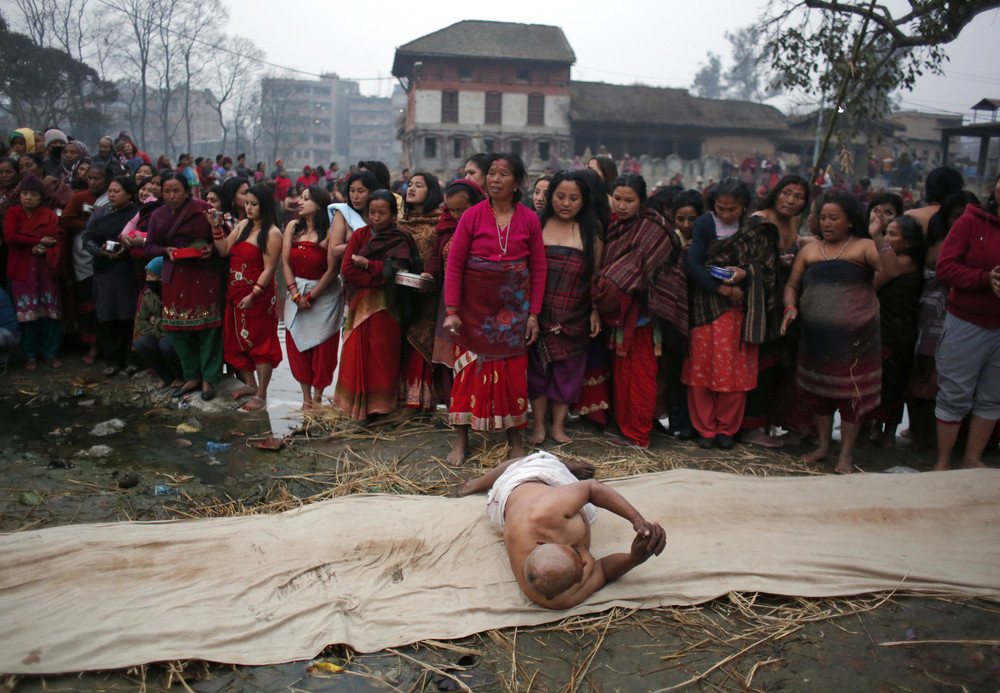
[50, 475]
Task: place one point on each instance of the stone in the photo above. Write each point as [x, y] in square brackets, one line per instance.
[96, 451]
[107, 428]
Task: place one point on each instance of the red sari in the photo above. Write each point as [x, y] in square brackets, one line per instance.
[250, 336]
[369, 361]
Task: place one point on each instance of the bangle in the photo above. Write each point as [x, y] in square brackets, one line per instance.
[533, 317]
[218, 236]
[451, 311]
[257, 289]
[291, 287]
[296, 296]
[309, 296]
[788, 308]
[886, 249]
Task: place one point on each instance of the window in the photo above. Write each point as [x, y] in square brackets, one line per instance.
[494, 106]
[536, 109]
[449, 106]
[543, 151]
[515, 147]
[430, 147]
[464, 72]
[459, 146]
[523, 75]
[488, 143]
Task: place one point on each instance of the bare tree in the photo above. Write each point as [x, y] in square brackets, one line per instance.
[196, 31]
[233, 81]
[140, 20]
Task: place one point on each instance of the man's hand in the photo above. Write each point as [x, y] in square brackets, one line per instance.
[650, 539]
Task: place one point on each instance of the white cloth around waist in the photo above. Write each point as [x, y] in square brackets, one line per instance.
[539, 466]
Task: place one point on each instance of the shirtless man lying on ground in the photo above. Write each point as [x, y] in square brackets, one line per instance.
[544, 508]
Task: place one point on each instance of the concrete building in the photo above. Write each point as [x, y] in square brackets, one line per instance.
[479, 86]
[373, 122]
[306, 121]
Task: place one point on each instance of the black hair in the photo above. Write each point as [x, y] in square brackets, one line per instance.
[227, 194]
[180, 178]
[609, 172]
[268, 216]
[885, 198]
[128, 185]
[34, 156]
[771, 199]
[217, 189]
[942, 181]
[541, 179]
[689, 198]
[434, 195]
[589, 226]
[913, 233]
[852, 209]
[481, 161]
[598, 198]
[367, 179]
[730, 187]
[516, 167]
[13, 163]
[938, 226]
[109, 172]
[380, 170]
[383, 194]
[241, 156]
[662, 200]
[321, 220]
[462, 186]
[633, 181]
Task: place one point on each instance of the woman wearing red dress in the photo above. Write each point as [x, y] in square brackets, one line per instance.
[493, 293]
[373, 336]
[314, 304]
[250, 334]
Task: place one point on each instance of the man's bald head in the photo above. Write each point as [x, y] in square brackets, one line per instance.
[551, 569]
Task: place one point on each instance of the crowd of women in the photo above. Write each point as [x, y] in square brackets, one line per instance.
[707, 313]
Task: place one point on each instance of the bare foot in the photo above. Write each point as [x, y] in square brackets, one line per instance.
[31, 365]
[581, 470]
[91, 358]
[244, 391]
[457, 455]
[468, 488]
[255, 403]
[307, 405]
[537, 436]
[942, 466]
[559, 435]
[55, 363]
[845, 464]
[817, 455]
[758, 436]
[885, 440]
[973, 464]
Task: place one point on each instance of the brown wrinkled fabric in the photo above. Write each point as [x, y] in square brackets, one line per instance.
[420, 334]
[377, 571]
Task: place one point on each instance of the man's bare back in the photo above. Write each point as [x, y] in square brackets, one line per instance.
[547, 536]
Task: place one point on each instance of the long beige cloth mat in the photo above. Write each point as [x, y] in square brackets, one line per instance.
[377, 571]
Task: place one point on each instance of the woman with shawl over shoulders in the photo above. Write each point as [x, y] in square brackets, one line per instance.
[421, 214]
[730, 317]
[191, 287]
[9, 196]
[840, 353]
[36, 245]
[569, 320]
[369, 364]
[348, 217]
[314, 303]
[116, 287]
[250, 334]
[968, 352]
[767, 403]
[494, 286]
[459, 197]
[641, 292]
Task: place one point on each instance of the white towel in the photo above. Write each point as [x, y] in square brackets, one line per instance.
[310, 328]
[540, 466]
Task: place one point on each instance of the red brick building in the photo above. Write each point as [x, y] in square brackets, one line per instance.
[479, 86]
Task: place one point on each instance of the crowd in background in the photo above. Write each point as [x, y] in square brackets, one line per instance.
[750, 309]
